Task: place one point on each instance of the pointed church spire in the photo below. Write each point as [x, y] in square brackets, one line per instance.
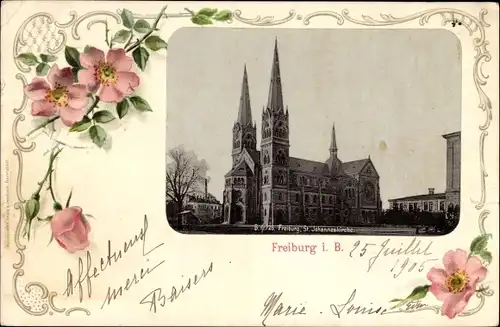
[275, 100]
[333, 143]
[245, 111]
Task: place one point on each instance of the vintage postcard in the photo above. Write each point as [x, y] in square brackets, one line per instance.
[249, 163]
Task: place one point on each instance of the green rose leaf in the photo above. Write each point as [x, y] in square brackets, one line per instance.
[142, 26]
[155, 43]
[486, 256]
[98, 135]
[75, 70]
[121, 36]
[57, 206]
[127, 18]
[81, 125]
[28, 59]
[86, 49]
[479, 244]
[201, 20]
[42, 69]
[32, 208]
[223, 15]
[419, 292]
[141, 57]
[209, 12]
[72, 57]
[47, 58]
[51, 239]
[48, 218]
[103, 117]
[140, 104]
[396, 300]
[122, 108]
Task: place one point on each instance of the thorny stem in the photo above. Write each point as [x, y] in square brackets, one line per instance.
[107, 34]
[92, 106]
[129, 39]
[43, 125]
[145, 36]
[50, 186]
[49, 172]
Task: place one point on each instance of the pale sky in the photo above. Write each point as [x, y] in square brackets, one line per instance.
[391, 93]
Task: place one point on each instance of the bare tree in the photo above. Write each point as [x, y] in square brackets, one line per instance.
[185, 175]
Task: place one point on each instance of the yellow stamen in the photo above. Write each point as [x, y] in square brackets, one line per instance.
[457, 281]
[105, 74]
[58, 96]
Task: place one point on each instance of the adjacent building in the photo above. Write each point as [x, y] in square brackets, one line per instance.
[431, 202]
[204, 206]
[435, 202]
[270, 187]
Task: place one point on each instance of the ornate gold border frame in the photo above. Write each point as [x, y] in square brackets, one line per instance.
[37, 294]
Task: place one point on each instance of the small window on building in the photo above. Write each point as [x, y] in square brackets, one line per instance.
[411, 207]
[307, 198]
[315, 198]
[431, 206]
[426, 206]
[297, 199]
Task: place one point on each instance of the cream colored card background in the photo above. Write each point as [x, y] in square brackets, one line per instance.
[121, 184]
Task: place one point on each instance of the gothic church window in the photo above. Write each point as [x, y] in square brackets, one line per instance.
[266, 158]
[307, 198]
[297, 199]
[281, 157]
[265, 196]
[314, 198]
[281, 179]
[249, 142]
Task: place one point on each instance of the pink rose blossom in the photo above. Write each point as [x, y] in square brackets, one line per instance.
[455, 284]
[71, 229]
[58, 95]
[111, 78]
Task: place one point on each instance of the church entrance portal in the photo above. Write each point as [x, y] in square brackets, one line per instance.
[236, 214]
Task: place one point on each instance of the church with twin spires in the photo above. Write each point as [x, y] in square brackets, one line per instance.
[268, 187]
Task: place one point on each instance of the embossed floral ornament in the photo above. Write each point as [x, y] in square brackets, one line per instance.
[58, 96]
[70, 229]
[109, 76]
[455, 284]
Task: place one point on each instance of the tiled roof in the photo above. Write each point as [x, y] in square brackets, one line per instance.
[354, 167]
[308, 166]
[434, 196]
[255, 156]
[241, 170]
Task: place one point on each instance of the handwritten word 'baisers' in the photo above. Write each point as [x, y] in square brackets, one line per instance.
[87, 272]
[157, 297]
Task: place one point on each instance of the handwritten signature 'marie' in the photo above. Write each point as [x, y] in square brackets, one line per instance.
[156, 297]
[279, 309]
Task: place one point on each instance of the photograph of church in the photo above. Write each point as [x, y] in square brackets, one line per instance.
[320, 131]
[266, 186]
